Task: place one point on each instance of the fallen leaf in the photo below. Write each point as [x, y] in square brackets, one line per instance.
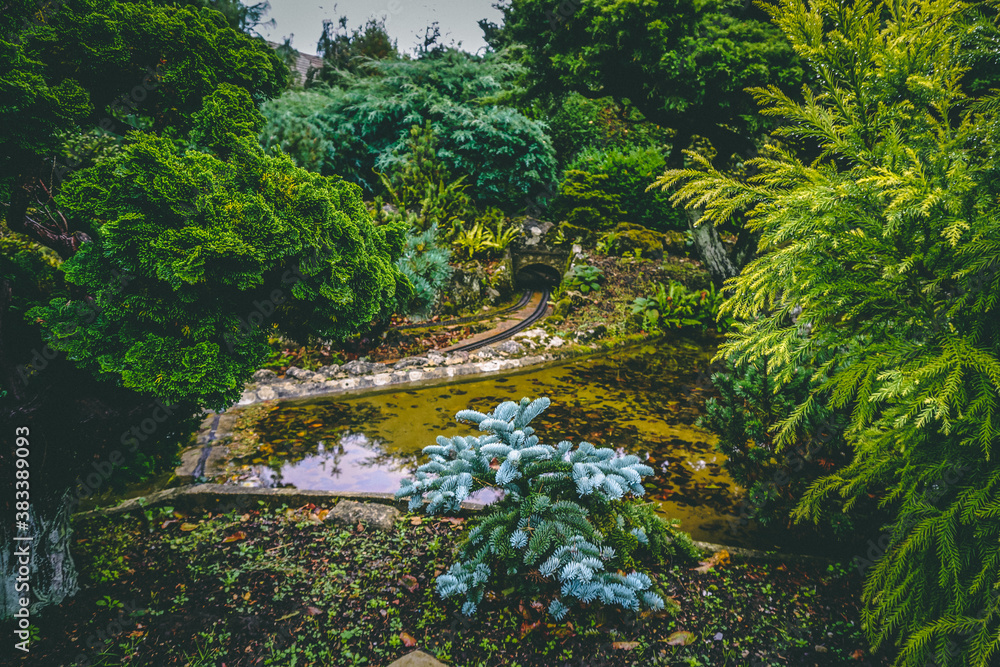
[314, 611]
[858, 654]
[235, 537]
[416, 520]
[626, 646]
[188, 527]
[408, 640]
[528, 627]
[167, 523]
[410, 582]
[565, 630]
[680, 638]
[246, 596]
[720, 557]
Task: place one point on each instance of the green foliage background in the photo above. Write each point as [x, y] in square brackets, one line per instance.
[362, 125]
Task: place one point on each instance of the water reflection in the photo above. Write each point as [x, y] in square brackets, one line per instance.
[642, 400]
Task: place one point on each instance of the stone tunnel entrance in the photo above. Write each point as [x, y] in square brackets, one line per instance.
[536, 276]
[538, 266]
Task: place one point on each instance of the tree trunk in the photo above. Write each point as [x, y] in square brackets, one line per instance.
[707, 244]
[51, 573]
[711, 252]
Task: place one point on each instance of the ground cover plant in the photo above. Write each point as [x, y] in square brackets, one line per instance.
[285, 586]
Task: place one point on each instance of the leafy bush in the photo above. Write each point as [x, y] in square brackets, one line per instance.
[673, 307]
[422, 184]
[627, 174]
[426, 266]
[565, 526]
[578, 124]
[751, 404]
[582, 277]
[214, 230]
[584, 200]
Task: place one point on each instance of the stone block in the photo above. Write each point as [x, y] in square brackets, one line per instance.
[374, 515]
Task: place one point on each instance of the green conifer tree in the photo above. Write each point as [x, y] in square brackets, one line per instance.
[888, 239]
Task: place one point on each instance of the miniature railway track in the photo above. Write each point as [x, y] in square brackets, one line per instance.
[535, 315]
[472, 318]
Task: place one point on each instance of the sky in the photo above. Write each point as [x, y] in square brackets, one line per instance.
[405, 19]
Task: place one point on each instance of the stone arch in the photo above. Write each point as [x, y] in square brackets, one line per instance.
[537, 274]
[537, 266]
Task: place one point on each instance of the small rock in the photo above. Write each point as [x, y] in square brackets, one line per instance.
[456, 358]
[332, 371]
[531, 333]
[376, 515]
[360, 367]
[266, 394]
[435, 359]
[586, 335]
[418, 659]
[410, 362]
[555, 341]
[299, 373]
[289, 390]
[264, 376]
[486, 353]
[509, 347]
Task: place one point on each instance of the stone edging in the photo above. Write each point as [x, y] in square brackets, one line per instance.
[225, 497]
[221, 497]
[356, 376]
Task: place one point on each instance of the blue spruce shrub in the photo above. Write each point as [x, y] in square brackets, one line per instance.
[567, 524]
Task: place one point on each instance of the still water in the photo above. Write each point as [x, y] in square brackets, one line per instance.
[642, 400]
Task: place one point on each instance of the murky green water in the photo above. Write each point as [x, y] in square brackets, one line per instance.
[642, 400]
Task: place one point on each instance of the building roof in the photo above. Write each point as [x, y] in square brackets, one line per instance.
[303, 63]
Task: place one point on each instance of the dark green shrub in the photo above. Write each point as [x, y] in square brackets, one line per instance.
[745, 417]
[366, 120]
[629, 172]
[420, 183]
[584, 200]
[578, 124]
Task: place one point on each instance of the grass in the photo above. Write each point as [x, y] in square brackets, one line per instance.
[286, 587]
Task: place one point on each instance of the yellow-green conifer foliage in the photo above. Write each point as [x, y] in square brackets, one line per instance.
[884, 247]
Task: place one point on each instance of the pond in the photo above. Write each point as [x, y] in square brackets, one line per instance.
[642, 400]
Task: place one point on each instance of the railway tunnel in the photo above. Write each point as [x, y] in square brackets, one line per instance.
[538, 267]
